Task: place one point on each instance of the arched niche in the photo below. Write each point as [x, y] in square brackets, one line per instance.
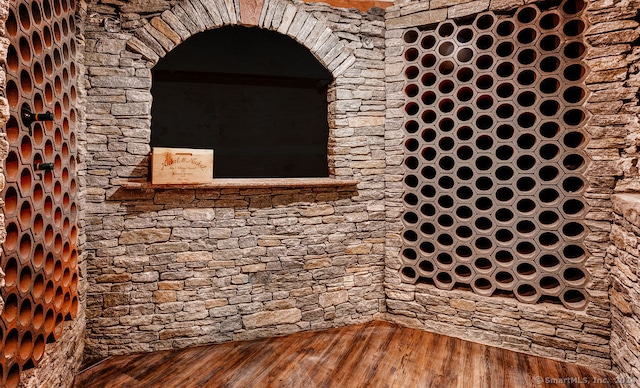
[255, 96]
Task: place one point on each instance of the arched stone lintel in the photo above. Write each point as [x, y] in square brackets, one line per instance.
[163, 33]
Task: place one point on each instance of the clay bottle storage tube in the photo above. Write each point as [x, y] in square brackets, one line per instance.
[39, 256]
[494, 151]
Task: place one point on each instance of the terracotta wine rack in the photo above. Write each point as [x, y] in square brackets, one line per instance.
[494, 155]
[40, 256]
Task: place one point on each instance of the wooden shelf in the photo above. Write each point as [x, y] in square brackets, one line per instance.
[240, 183]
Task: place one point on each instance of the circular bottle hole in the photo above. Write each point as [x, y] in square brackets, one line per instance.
[505, 131]
[504, 194]
[411, 54]
[485, 22]
[409, 254]
[464, 193]
[411, 126]
[526, 77]
[573, 7]
[549, 129]
[572, 184]
[505, 28]
[464, 173]
[483, 244]
[484, 82]
[428, 42]
[464, 55]
[427, 229]
[445, 201]
[573, 162]
[412, 72]
[527, 14]
[505, 49]
[410, 36]
[483, 163]
[548, 195]
[464, 252]
[428, 210]
[549, 21]
[464, 94]
[525, 162]
[573, 206]
[574, 50]
[464, 232]
[527, 56]
[525, 205]
[504, 215]
[445, 240]
[464, 113]
[483, 265]
[409, 180]
[484, 62]
[573, 253]
[428, 98]
[548, 217]
[446, 29]
[409, 273]
[505, 90]
[446, 67]
[483, 223]
[428, 172]
[549, 64]
[527, 35]
[464, 212]
[484, 183]
[464, 74]
[504, 152]
[550, 42]
[574, 299]
[549, 262]
[549, 151]
[574, 27]
[428, 191]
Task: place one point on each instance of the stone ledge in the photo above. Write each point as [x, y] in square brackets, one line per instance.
[241, 183]
[627, 205]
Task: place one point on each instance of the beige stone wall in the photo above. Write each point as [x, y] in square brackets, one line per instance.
[623, 262]
[173, 268]
[545, 329]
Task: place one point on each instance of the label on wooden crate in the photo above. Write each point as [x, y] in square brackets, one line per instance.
[181, 166]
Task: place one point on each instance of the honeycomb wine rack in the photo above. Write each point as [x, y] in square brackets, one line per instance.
[40, 257]
[494, 155]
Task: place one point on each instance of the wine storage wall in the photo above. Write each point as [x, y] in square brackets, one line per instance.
[494, 156]
[39, 256]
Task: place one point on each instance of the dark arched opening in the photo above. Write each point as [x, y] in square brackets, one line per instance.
[258, 98]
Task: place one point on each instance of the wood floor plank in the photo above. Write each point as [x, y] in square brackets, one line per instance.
[375, 354]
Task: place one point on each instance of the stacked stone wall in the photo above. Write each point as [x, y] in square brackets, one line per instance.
[545, 329]
[623, 262]
[174, 268]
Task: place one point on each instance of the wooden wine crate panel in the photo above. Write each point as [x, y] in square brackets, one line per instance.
[181, 166]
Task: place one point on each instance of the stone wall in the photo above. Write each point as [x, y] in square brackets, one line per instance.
[173, 268]
[545, 329]
[623, 262]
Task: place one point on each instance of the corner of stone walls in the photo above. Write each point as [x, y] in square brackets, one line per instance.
[623, 262]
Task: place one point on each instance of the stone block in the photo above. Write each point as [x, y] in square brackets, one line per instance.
[145, 236]
[333, 298]
[270, 318]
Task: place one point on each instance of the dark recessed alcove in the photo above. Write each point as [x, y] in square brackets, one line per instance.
[258, 98]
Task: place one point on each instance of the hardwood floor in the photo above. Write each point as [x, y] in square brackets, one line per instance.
[375, 354]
